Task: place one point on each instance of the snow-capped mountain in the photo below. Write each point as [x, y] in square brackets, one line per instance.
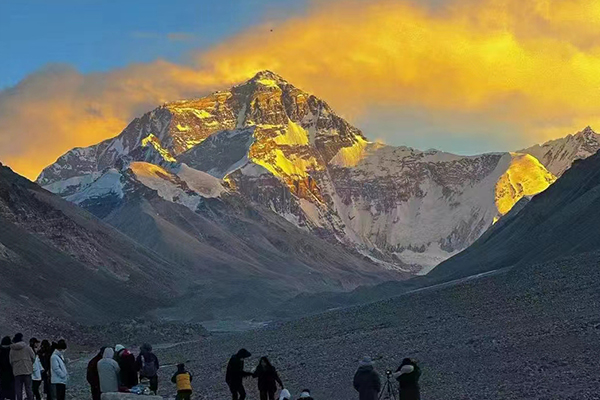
[558, 155]
[268, 143]
[561, 222]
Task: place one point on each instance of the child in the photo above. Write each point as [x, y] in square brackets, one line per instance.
[183, 380]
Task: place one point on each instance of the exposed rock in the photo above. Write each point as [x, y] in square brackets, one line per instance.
[287, 150]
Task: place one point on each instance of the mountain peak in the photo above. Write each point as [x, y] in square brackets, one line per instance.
[587, 132]
[264, 79]
[266, 74]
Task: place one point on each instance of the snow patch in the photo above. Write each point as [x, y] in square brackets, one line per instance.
[183, 128]
[202, 183]
[428, 259]
[109, 183]
[525, 176]
[164, 153]
[268, 83]
[167, 185]
[352, 155]
[72, 184]
[311, 211]
[253, 170]
[202, 114]
[294, 135]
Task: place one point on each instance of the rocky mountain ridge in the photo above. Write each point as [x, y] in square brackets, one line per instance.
[275, 145]
[558, 155]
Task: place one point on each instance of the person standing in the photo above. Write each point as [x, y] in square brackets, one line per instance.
[408, 375]
[45, 354]
[126, 361]
[36, 376]
[92, 374]
[22, 358]
[366, 380]
[7, 379]
[183, 380]
[236, 374]
[147, 365]
[108, 372]
[58, 371]
[268, 378]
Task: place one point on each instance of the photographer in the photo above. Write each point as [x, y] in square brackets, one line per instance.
[366, 380]
[407, 375]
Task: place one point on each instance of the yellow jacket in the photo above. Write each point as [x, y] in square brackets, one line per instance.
[183, 381]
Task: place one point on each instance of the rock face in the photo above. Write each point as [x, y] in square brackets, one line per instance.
[558, 155]
[269, 143]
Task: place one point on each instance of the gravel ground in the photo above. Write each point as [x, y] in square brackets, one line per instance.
[531, 333]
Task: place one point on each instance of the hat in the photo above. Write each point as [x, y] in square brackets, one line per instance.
[119, 347]
[146, 347]
[285, 395]
[365, 362]
[243, 353]
[305, 394]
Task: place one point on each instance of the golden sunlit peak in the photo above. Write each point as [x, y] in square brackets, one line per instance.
[525, 176]
[267, 75]
[265, 78]
[153, 140]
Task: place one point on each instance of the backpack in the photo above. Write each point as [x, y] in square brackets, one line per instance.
[148, 367]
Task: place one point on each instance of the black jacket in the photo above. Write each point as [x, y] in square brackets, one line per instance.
[6, 372]
[128, 373]
[367, 383]
[235, 369]
[148, 357]
[409, 383]
[268, 378]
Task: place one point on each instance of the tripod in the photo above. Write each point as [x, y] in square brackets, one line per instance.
[388, 388]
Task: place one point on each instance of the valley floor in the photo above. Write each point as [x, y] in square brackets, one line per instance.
[531, 333]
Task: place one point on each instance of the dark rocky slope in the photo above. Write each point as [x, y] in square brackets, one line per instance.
[527, 334]
[57, 257]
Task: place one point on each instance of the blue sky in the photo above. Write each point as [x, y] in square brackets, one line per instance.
[94, 35]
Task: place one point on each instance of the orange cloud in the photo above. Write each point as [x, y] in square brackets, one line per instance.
[58, 108]
[532, 64]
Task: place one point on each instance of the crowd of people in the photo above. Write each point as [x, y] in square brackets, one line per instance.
[32, 369]
[119, 370]
[367, 381]
[38, 370]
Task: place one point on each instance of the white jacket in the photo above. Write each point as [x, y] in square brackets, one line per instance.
[37, 370]
[58, 368]
[108, 372]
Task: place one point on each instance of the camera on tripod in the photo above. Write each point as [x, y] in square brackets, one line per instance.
[388, 388]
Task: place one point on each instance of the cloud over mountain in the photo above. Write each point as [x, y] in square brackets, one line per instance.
[530, 65]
